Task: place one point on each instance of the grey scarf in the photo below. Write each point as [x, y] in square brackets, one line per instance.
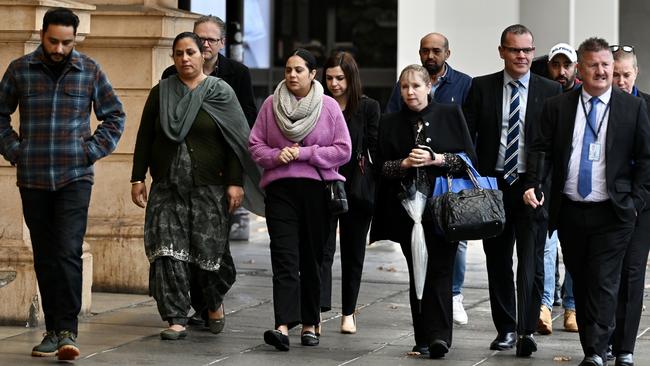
[178, 109]
[297, 117]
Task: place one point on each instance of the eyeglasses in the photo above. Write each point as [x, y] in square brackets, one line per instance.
[625, 48]
[211, 41]
[513, 50]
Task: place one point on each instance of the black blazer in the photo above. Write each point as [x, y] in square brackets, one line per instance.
[238, 77]
[363, 126]
[484, 112]
[445, 131]
[627, 151]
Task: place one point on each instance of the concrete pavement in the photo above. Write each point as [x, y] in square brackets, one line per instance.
[123, 329]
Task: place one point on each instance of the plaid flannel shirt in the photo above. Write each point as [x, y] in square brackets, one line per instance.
[55, 145]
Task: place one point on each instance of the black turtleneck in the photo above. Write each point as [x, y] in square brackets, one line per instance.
[56, 68]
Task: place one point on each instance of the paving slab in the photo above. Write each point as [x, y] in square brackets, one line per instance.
[123, 329]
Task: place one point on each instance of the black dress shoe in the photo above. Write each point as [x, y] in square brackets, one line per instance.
[422, 349]
[609, 354]
[624, 359]
[504, 341]
[309, 338]
[526, 345]
[593, 360]
[438, 349]
[276, 339]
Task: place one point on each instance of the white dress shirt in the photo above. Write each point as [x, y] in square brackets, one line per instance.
[523, 98]
[598, 180]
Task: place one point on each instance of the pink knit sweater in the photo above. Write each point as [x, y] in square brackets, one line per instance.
[327, 146]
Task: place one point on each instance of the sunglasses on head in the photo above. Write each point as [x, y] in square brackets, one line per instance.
[625, 48]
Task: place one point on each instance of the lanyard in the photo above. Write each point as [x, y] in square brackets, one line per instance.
[602, 119]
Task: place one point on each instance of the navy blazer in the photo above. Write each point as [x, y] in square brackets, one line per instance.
[484, 114]
[627, 171]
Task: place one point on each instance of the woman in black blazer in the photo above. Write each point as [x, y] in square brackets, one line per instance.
[341, 77]
[422, 137]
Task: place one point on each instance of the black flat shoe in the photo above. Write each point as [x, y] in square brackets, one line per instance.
[504, 341]
[624, 359]
[423, 350]
[216, 325]
[438, 349]
[309, 338]
[526, 345]
[172, 335]
[276, 339]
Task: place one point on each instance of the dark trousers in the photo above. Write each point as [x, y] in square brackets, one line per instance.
[57, 225]
[353, 227]
[594, 241]
[518, 312]
[630, 293]
[432, 316]
[298, 221]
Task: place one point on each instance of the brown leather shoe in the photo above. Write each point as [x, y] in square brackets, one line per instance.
[545, 322]
[570, 323]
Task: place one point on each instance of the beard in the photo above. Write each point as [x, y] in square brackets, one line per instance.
[432, 68]
[56, 58]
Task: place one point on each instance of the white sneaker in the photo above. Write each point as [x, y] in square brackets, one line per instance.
[460, 316]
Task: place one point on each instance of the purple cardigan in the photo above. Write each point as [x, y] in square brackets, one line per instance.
[327, 146]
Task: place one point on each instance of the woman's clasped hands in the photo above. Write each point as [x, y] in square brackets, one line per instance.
[419, 157]
[289, 153]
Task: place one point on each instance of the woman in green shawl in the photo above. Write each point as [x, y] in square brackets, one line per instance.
[193, 140]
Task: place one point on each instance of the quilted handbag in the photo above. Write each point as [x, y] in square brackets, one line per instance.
[465, 212]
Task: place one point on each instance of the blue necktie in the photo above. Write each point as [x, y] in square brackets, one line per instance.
[512, 148]
[584, 174]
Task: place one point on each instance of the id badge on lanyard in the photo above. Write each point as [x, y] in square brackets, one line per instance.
[594, 151]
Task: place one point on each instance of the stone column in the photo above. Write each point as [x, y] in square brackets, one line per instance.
[20, 35]
[132, 42]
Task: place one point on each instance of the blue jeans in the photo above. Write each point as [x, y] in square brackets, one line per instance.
[459, 269]
[568, 301]
[550, 256]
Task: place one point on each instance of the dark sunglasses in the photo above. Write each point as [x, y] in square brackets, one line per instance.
[625, 48]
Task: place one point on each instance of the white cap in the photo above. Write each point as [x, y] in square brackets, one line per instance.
[565, 49]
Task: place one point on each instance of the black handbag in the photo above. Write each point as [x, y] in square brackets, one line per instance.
[337, 200]
[470, 214]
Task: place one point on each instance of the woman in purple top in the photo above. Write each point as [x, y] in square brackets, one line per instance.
[300, 138]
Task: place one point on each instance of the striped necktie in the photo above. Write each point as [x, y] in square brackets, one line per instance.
[512, 147]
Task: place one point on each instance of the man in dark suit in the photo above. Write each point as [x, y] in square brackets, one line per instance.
[630, 294]
[500, 110]
[596, 140]
[212, 31]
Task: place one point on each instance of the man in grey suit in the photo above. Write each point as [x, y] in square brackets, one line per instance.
[595, 139]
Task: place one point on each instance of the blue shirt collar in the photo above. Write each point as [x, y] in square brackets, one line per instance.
[524, 80]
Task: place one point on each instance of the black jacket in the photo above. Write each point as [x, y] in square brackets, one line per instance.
[627, 151]
[484, 112]
[445, 132]
[364, 127]
[238, 77]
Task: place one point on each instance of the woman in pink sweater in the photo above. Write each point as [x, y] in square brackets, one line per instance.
[300, 139]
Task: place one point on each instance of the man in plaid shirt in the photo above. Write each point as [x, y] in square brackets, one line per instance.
[54, 150]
